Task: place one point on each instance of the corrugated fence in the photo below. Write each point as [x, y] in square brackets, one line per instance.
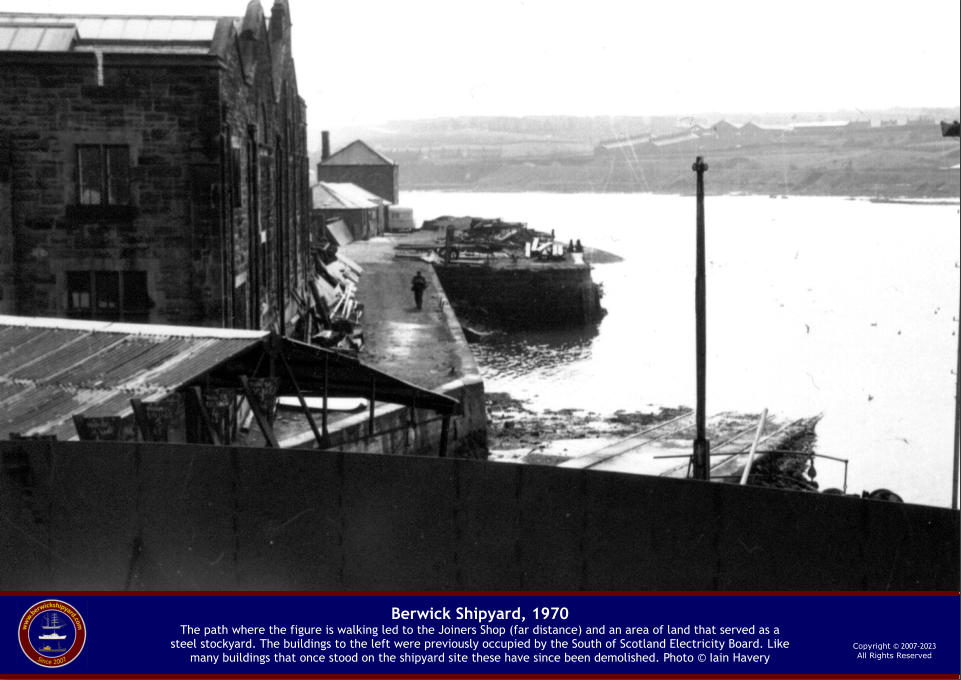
[76, 515]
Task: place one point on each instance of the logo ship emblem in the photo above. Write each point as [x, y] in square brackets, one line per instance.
[52, 633]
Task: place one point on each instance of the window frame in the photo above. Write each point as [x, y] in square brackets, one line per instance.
[109, 295]
[112, 188]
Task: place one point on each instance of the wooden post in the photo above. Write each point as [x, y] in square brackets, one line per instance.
[80, 423]
[448, 244]
[321, 443]
[750, 456]
[261, 419]
[204, 416]
[411, 420]
[702, 448]
[323, 416]
[444, 429]
[140, 416]
[373, 396]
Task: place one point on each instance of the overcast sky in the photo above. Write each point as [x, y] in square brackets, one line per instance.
[366, 61]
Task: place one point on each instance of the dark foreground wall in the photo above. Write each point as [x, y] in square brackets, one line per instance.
[141, 516]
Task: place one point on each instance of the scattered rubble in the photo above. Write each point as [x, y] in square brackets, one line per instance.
[512, 427]
[334, 319]
[494, 238]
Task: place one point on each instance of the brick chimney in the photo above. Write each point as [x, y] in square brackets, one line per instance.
[324, 145]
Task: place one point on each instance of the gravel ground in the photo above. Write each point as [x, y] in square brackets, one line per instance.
[517, 433]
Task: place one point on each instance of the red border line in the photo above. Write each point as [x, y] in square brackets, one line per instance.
[472, 676]
[472, 593]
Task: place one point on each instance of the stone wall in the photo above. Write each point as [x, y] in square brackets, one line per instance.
[161, 112]
[216, 147]
[264, 128]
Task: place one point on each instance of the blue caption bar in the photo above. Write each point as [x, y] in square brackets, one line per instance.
[379, 634]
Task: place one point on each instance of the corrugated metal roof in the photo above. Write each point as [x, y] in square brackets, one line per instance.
[53, 369]
[63, 32]
[674, 139]
[15, 37]
[343, 195]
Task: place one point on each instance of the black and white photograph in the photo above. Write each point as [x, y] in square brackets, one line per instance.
[301, 296]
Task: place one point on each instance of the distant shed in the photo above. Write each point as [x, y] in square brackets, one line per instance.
[364, 213]
[400, 219]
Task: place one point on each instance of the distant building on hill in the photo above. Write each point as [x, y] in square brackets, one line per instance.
[762, 131]
[725, 130]
[358, 163]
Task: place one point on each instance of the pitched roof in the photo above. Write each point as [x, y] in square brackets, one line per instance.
[36, 37]
[343, 195]
[357, 152]
[84, 32]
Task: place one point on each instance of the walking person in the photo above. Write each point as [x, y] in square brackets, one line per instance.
[418, 284]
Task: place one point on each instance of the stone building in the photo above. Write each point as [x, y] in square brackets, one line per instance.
[153, 169]
[357, 163]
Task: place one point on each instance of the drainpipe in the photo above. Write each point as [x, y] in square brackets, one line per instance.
[226, 249]
[10, 262]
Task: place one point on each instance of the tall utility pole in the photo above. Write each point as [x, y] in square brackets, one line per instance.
[702, 448]
[954, 130]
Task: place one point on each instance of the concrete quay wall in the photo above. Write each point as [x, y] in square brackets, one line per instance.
[135, 516]
[396, 432]
[534, 295]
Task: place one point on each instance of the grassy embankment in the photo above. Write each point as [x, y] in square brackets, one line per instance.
[911, 161]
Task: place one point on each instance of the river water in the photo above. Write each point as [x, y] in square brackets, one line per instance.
[832, 306]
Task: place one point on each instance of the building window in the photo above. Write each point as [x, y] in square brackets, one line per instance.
[106, 286]
[79, 294]
[108, 296]
[103, 174]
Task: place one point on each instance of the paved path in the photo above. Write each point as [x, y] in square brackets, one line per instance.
[424, 347]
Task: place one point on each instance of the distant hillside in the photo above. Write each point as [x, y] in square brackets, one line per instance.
[895, 154]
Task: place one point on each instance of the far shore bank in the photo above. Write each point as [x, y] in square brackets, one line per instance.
[513, 189]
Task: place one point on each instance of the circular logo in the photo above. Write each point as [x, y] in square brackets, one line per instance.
[52, 633]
